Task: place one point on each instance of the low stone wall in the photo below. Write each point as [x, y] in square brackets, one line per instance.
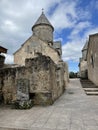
[40, 80]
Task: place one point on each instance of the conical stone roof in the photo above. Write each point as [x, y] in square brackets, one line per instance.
[42, 20]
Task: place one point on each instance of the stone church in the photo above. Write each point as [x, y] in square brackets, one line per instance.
[39, 75]
[40, 42]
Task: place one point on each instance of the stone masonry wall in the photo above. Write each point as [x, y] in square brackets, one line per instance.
[7, 86]
[30, 49]
[83, 69]
[40, 80]
[92, 58]
[44, 32]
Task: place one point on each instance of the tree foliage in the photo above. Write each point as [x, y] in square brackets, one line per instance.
[72, 75]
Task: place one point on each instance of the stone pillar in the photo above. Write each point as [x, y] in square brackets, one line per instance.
[2, 59]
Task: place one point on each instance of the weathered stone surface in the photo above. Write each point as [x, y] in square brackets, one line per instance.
[92, 58]
[7, 79]
[43, 98]
[89, 61]
[83, 68]
[40, 80]
[35, 46]
[22, 89]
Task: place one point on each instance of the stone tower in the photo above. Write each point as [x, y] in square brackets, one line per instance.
[43, 29]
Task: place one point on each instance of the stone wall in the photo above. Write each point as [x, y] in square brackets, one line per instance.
[44, 32]
[83, 69]
[66, 73]
[7, 84]
[31, 48]
[40, 80]
[92, 58]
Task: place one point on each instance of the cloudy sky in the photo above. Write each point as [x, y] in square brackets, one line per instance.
[73, 20]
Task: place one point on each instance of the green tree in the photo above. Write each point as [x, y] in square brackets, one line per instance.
[72, 75]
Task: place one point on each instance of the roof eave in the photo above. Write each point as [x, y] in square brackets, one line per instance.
[42, 25]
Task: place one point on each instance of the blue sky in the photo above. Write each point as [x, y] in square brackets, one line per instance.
[73, 21]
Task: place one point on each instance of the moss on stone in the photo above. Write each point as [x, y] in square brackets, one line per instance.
[23, 104]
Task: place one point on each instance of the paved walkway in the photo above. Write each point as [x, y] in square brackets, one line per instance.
[74, 110]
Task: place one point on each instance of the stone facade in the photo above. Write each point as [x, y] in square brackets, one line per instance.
[40, 80]
[44, 33]
[32, 47]
[40, 42]
[89, 62]
[92, 58]
[83, 69]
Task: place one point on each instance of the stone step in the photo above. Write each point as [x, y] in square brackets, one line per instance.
[87, 82]
[5, 128]
[91, 89]
[92, 93]
[89, 86]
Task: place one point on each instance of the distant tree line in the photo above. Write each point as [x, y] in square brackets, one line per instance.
[73, 75]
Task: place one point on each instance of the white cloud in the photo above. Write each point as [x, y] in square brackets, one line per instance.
[9, 59]
[9, 25]
[80, 27]
[72, 49]
[96, 5]
[91, 31]
[64, 15]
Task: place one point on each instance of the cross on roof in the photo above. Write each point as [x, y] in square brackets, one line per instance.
[42, 10]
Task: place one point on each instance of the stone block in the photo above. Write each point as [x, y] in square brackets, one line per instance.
[22, 89]
[43, 98]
